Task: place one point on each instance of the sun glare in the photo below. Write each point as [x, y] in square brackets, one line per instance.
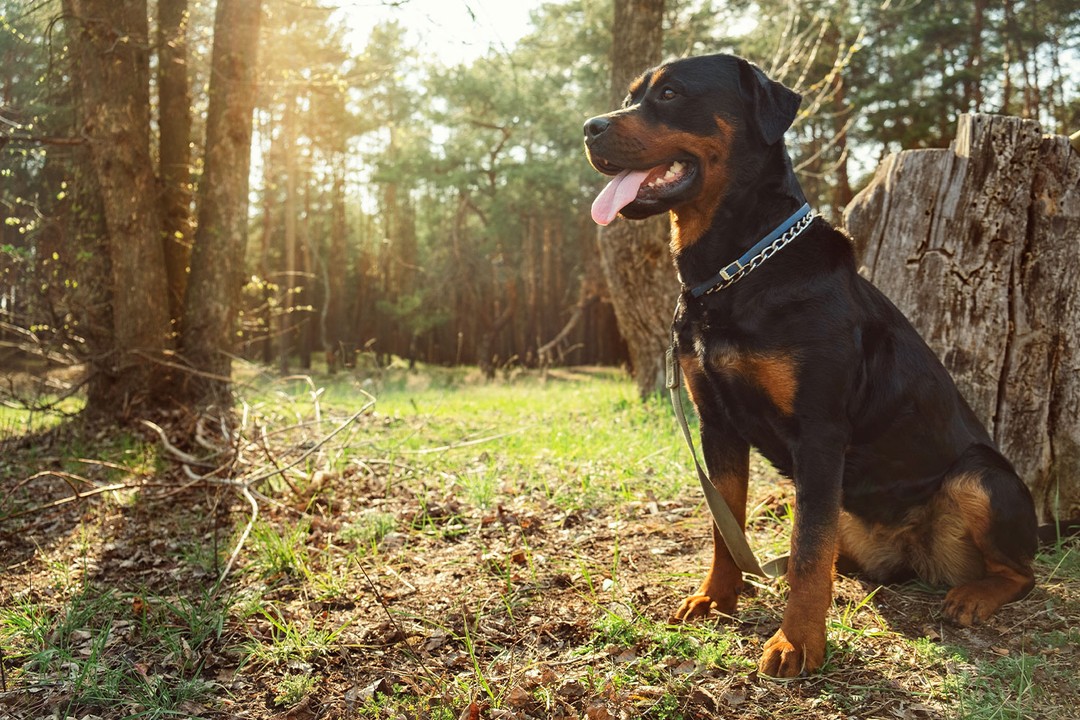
[452, 31]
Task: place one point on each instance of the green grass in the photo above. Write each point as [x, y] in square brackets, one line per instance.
[368, 530]
[282, 640]
[279, 550]
[79, 644]
[16, 421]
[644, 650]
[579, 439]
[292, 689]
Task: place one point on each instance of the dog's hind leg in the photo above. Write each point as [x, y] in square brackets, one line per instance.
[983, 537]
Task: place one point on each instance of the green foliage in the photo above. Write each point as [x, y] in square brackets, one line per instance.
[368, 530]
[289, 640]
[292, 689]
[430, 197]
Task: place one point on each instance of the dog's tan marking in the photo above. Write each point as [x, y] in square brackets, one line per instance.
[946, 543]
[775, 374]
[691, 220]
[693, 375]
[936, 541]
[639, 82]
[974, 602]
[723, 582]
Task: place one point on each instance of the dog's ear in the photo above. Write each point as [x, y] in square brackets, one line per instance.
[774, 106]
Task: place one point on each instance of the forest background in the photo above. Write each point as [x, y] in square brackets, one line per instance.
[403, 207]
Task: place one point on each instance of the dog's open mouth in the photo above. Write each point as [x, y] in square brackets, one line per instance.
[643, 186]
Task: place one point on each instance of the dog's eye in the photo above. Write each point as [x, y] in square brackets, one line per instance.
[667, 94]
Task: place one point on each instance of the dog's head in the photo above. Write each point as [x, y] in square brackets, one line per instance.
[682, 129]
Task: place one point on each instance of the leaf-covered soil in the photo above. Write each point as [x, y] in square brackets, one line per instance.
[378, 581]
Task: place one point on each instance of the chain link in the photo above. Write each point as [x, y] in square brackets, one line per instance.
[766, 253]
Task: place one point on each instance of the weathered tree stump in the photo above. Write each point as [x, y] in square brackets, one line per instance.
[979, 245]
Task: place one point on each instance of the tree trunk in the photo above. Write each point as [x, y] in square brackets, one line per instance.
[288, 296]
[305, 315]
[112, 70]
[487, 358]
[174, 123]
[977, 246]
[217, 263]
[634, 255]
[333, 317]
[87, 240]
[269, 152]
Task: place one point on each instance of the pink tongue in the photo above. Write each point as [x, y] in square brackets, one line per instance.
[619, 193]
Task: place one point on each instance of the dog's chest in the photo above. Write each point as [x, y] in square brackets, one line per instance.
[755, 389]
[746, 375]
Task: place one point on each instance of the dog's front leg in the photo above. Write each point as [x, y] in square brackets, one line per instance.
[799, 645]
[727, 458]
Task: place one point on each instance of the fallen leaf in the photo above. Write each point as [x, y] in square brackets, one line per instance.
[436, 641]
[518, 696]
[686, 667]
[734, 698]
[138, 606]
[372, 691]
[571, 690]
[598, 712]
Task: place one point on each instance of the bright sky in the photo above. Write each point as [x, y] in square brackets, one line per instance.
[453, 31]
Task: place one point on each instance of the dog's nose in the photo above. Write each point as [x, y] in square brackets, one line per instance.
[596, 127]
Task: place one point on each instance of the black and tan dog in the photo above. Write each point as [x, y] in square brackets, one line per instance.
[806, 361]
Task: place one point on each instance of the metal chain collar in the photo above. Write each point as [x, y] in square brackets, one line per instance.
[727, 280]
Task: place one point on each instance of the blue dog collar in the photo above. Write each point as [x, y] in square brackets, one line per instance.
[755, 256]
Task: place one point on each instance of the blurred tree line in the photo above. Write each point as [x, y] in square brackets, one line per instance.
[402, 207]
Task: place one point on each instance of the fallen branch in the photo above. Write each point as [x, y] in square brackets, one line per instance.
[467, 443]
[69, 499]
[544, 352]
[246, 493]
[177, 453]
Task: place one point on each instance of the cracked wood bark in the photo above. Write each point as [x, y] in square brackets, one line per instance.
[634, 255]
[978, 246]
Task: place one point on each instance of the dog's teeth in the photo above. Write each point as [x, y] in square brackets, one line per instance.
[676, 167]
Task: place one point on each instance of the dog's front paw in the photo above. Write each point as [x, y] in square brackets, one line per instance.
[694, 606]
[788, 658]
[701, 603]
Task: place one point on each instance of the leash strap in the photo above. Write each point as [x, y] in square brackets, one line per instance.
[730, 529]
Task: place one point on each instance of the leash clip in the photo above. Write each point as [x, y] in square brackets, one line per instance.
[672, 371]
